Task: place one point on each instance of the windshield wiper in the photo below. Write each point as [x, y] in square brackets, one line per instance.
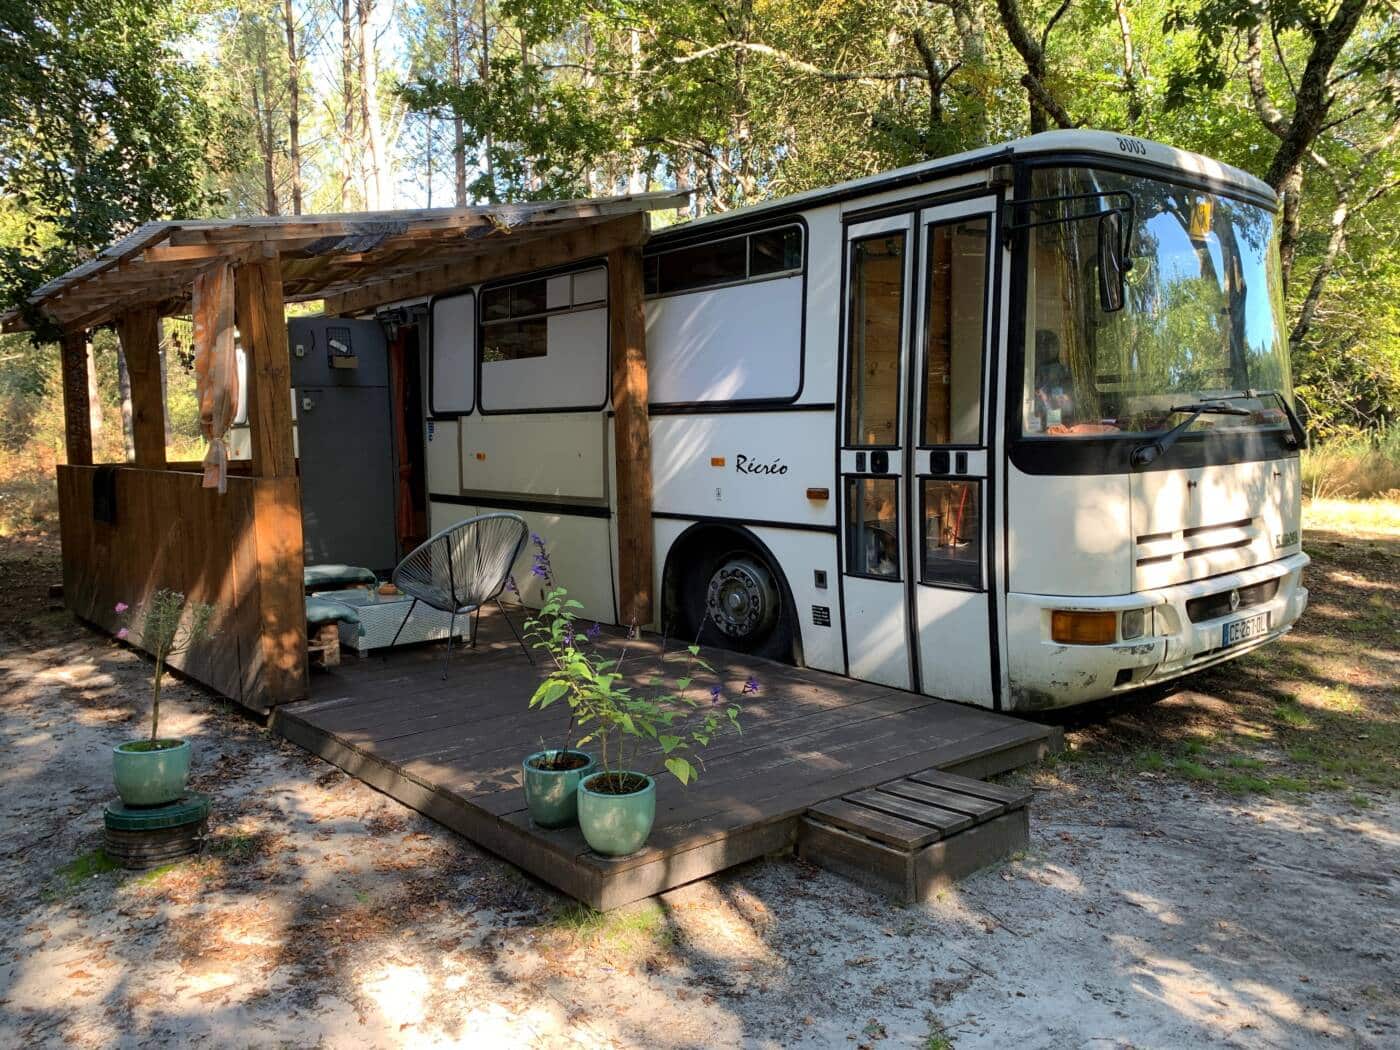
[1150, 452]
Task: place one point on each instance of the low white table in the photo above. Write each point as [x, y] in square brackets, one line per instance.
[380, 617]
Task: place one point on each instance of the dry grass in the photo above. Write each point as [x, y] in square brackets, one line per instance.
[1362, 466]
[1319, 710]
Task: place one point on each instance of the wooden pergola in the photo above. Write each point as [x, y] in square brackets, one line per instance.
[132, 527]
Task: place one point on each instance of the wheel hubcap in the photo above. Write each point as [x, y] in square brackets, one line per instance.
[741, 598]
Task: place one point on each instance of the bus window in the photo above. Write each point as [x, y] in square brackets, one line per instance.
[872, 527]
[876, 328]
[952, 533]
[954, 334]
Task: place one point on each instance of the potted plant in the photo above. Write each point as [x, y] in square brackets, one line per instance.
[617, 803]
[153, 771]
[551, 776]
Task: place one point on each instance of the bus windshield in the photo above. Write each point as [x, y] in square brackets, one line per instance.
[1202, 317]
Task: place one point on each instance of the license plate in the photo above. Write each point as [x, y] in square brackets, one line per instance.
[1237, 631]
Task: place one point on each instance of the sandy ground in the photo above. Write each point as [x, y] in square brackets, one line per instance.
[1147, 913]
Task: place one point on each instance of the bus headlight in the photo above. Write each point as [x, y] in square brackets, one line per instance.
[1134, 623]
[1083, 628]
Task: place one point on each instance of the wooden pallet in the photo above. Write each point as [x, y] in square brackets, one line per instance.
[912, 837]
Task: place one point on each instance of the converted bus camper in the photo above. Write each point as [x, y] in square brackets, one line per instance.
[1012, 428]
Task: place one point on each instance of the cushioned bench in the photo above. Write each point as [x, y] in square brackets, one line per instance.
[323, 619]
[330, 577]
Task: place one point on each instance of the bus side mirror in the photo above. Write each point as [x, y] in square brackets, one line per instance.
[1112, 289]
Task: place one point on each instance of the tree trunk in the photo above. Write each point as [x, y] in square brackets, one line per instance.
[124, 386]
[1130, 81]
[347, 103]
[293, 104]
[459, 138]
[371, 127]
[266, 143]
[94, 398]
[484, 68]
[971, 24]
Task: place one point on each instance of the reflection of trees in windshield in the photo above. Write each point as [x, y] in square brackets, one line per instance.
[1200, 314]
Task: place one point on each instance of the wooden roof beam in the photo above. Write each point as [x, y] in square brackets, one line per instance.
[584, 242]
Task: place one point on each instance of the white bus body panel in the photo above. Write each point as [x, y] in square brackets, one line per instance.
[542, 454]
[1068, 534]
[1189, 524]
[746, 466]
[578, 550]
[443, 456]
[743, 342]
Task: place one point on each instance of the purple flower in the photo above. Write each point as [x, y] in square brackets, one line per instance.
[122, 607]
[123, 633]
[716, 691]
[751, 686]
[594, 631]
[512, 586]
[569, 635]
[541, 567]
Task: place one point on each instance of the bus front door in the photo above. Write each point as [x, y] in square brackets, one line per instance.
[914, 450]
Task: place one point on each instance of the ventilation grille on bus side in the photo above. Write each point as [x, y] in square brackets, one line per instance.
[1156, 548]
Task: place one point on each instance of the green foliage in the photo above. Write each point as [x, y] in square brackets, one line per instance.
[608, 711]
[101, 128]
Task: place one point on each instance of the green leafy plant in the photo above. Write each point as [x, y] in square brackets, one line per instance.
[619, 717]
[166, 624]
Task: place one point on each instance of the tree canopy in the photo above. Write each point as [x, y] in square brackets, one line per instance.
[127, 110]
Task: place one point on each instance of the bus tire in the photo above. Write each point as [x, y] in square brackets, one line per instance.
[733, 597]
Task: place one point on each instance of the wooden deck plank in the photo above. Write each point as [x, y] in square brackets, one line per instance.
[1012, 798]
[890, 828]
[452, 750]
[954, 800]
[945, 820]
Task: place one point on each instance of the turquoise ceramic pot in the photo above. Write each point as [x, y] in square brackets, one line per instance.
[616, 825]
[552, 794]
[151, 778]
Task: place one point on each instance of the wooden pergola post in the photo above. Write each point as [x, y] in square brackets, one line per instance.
[632, 436]
[262, 324]
[277, 527]
[139, 330]
[77, 420]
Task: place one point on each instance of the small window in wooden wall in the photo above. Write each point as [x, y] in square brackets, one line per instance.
[955, 331]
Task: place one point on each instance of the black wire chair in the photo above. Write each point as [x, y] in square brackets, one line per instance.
[460, 569]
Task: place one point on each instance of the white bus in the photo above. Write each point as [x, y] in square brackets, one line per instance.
[1012, 428]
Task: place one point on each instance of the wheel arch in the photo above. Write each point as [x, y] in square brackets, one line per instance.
[711, 537]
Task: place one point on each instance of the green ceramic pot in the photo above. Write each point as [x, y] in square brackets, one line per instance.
[616, 825]
[148, 776]
[552, 794]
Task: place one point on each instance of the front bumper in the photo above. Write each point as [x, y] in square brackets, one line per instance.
[1045, 673]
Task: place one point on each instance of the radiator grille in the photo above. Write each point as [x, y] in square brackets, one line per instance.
[1199, 541]
[1211, 606]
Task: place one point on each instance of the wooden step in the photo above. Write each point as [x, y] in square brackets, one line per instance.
[914, 836]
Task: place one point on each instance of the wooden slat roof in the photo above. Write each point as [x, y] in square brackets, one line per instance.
[322, 255]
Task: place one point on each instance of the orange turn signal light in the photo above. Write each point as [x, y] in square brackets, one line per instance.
[1083, 628]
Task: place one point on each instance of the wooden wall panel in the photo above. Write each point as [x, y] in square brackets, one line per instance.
[172, 532]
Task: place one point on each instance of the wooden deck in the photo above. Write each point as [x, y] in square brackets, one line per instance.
[452, 751]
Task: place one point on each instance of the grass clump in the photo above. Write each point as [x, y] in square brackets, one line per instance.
[81, 868]
[631, 932]
[1354, 467]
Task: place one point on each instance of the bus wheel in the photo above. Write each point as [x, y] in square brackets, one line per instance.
[743, 601]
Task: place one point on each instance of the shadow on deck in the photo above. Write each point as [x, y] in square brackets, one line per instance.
[452, 750]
